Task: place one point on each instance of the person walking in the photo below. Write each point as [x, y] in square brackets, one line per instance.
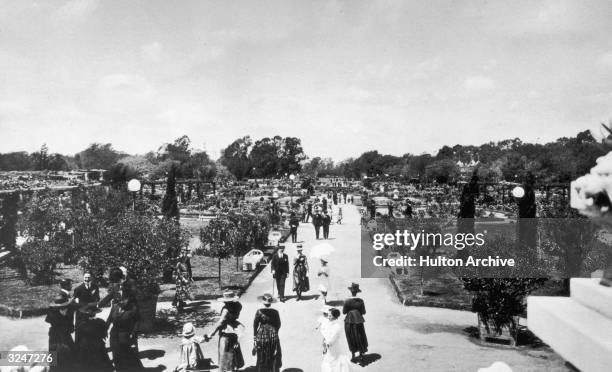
[230, 330]
[183, 284]
[308, 213]
[324, 281]
[280, 271]
[301, 283]
[266, 344]
[84, 294]
[124, 317]
[354, 308]
[334, 359]
[317, 221]
[326, 221]
[191, 356]
[60, 340]
[294, 222]
[92, 354]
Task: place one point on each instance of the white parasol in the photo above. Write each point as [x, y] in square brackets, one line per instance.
[322, 250]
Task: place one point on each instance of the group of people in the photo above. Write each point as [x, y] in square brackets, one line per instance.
[76, 313]
[266, 342]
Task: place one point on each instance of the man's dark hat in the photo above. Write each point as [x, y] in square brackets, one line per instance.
[354, 287]
[65, 282]
[60, 301]
[90, 309]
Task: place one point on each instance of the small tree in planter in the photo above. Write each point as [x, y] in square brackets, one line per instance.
[499, 292]
[217, 240]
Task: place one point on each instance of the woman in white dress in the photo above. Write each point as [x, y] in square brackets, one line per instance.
[324, 283]
[334, 357]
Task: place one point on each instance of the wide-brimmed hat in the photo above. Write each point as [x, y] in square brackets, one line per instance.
[266, 298]
[90, 309]
[299, 247]
[188, 330]
[60, 301]
[65, 282]
[228, 296]
[354, 287]
[326, 309]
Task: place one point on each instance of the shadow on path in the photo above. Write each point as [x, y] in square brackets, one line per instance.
[368, 359]
[151, 354]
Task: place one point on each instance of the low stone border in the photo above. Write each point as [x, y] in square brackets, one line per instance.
[404, 300]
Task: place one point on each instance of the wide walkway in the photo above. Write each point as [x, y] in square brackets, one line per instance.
[401, 338]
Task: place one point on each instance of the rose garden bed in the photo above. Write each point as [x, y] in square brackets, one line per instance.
[18, 299]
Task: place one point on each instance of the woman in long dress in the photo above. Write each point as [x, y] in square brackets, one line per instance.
[324, 282]
[354, 308]
[183, 285]
[230, 330]
[92, 354]
[60, 340]
[267, 344]
[334, 358]
[301, 283]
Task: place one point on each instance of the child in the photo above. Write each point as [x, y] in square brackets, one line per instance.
[339, 222]
[323, 323]
[191, 354]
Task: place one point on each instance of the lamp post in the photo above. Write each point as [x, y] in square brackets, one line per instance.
[134, 187]
[292, 178]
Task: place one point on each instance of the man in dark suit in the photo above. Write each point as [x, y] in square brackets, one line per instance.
[280, 270]
[308, 213]
[84, 294]
[317, 221]
[326, 221]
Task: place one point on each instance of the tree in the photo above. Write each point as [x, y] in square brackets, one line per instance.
[312, 167]
[98, 156]
[442, 171]
[236, 157]
[141, 165]
[58, 162]
[264, 158]
[291, 155]
[170, 203]
[41, 158]
[217, 239]
[15, 161]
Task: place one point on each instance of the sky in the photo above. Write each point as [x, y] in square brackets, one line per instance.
[344, 76]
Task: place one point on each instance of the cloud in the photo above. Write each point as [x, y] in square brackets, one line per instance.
[605, 59]
[478, 84]
[151, 52]
[76, 10]
[426, 68]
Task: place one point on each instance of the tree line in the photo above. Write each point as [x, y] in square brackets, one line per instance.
[558, 161]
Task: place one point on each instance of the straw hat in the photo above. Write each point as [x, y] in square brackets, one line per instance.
[326, 309]
[300, 247]
[228, 296]
[60, 301]
[266, 298]
[188, 330]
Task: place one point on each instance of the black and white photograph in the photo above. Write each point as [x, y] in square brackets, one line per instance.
[305, 185]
